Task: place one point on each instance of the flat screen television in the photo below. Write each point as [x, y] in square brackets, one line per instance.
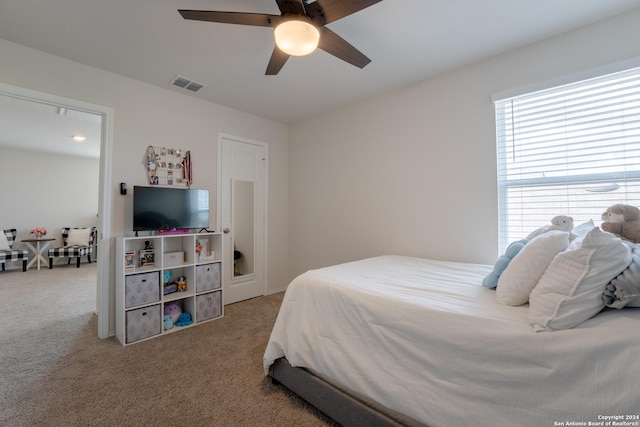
[162, 208]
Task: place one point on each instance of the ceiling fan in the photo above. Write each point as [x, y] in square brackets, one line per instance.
[299, 29]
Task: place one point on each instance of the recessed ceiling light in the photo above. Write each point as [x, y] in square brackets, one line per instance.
[79, 138]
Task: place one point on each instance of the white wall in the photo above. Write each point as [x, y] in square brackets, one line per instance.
[148, 115]
[47, 190]
[414, 172]
[411, 172]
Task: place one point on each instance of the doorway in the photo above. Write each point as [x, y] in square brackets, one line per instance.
[104, 203]
[242, 216]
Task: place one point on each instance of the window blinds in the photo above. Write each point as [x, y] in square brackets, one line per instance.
[570, 150]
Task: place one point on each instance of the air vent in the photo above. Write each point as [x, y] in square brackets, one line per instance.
[186, 83]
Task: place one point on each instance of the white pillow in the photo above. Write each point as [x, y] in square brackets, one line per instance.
[522, 274]
[571, 289]
[79, 237]
[4, 242]
[582, 229]
[576, 243]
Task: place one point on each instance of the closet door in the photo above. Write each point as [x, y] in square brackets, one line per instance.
[242, 199]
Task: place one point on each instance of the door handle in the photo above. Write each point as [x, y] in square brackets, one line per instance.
[226, 231]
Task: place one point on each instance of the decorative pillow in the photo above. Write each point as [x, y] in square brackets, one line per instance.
[491, 281]
[576, 243]
[522, 274]
[79, 237]
[4, 242]
[624, 289]
[582, 229]
[571, 289]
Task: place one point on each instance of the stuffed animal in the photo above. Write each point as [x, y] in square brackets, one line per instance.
[491, 281]
[184, 319]
[168, 274]
[173, 310]
[623, 221]
[168, 322]
[560, 222]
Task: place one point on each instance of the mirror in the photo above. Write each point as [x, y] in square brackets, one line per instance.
[243, 227]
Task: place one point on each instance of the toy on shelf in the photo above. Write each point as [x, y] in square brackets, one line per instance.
[168, 274]
[182, 283]
[147, 255]
[169, 286]
[129, 259]
[184, 319]
[168, 322]
[172, 285]
[173, 310]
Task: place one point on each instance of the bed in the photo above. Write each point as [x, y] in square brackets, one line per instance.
[396, 340]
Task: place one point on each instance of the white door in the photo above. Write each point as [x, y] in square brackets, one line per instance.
[242, 212]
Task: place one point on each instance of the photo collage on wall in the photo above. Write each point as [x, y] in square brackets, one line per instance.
[168, 166]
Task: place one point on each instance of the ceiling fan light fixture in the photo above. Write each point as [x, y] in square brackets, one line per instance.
[296, 37]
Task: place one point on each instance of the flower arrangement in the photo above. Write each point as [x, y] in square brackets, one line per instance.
[39, 231]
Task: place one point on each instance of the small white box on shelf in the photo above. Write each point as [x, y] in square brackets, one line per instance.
[211, 256]
[172, 259]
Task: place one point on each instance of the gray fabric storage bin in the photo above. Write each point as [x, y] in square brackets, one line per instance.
[143, 322]
[141, 289]
[208, 306]
[208, 277]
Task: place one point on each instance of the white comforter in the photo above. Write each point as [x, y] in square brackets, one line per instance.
[426, 339]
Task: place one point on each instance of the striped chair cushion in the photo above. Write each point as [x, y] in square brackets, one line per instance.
[8, 256]
[72, 251]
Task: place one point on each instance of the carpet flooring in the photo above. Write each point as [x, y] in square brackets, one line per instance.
[54, 371]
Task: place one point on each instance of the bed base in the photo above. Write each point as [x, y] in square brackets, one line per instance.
[343, 408]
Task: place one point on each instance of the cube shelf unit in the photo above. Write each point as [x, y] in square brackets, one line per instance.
[141, 264]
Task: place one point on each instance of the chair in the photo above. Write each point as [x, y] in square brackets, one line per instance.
[12, 254]
[76, 242]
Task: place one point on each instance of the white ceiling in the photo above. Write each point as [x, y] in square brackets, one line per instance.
[407, 41]
[33, 126]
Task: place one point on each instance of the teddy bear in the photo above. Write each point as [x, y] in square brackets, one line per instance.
[623, 221]
[560, 222]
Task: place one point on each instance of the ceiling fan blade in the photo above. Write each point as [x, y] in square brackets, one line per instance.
[277, 61]
[257, 19]
[326, 11]
[332, 43]
[291, 6]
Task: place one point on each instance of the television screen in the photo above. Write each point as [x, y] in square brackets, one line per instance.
[160, 208]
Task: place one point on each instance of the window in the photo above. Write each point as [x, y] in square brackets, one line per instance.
[570, 150]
